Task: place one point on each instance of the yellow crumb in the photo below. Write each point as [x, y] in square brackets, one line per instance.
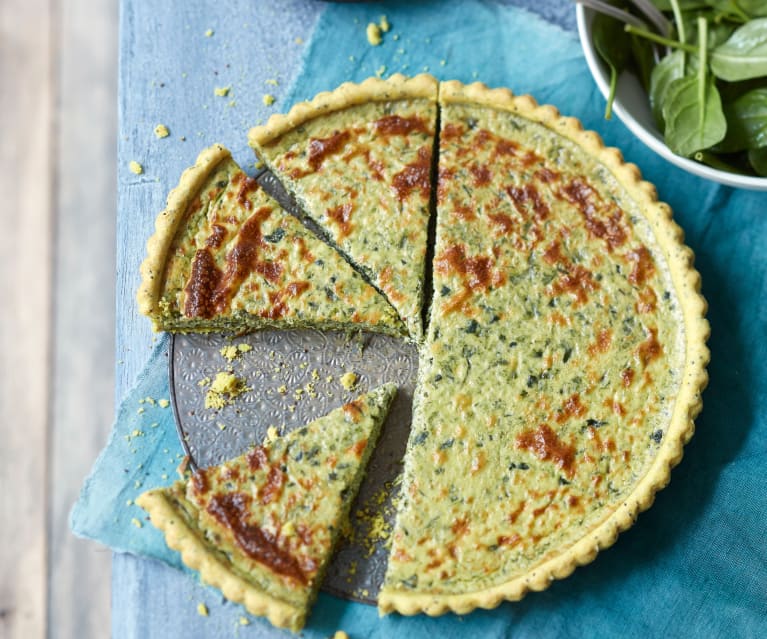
[315, 374]
[272, 434]
[282, 389]
[244, 621]
[229, 352]
[202, 609]
[222, 91]
[129, 502]
[268, 99]
[161, 131]
[136, 523]
[348, 380]
[209, 33]
[272, 81]
[141, 410]
[244, 348]
[380, 70]
[383, 24]
[340, 634]
[163, 403]
[135, 167]
[221, 426]
[205, 381]
[226, 387]
[374, 34]
[299, 40]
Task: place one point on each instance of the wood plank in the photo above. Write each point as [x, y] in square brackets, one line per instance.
[83, 325]
[26, 101]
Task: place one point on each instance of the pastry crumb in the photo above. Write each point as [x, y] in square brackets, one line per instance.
[136, 523]
[163, 403]
[222, 91]
[244, 621]
[202, 609]
[383, 24]
[224, 389]
[272, 81]
[209, 33]
[340, 634]
[380, 70]
[349, 380]
[373, 33]
[161, 131]
[135, 167]
[268, 99]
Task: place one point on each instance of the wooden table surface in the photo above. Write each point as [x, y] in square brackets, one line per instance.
[58, 111]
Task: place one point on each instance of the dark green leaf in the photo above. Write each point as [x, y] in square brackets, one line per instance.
[665, 72]
[744, 54]
[614, 47]
[644, 61]
[758, 159]
[691, 126]
[754, 8]
[746, 122]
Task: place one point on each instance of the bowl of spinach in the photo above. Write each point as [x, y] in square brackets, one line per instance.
[697, 95]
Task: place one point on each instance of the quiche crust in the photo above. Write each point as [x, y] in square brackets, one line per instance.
[180, 536]
[167, 224]
[396, 87]
[687, 404]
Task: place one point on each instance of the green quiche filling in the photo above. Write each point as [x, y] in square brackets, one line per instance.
[268, 520]
[551, 362]
[237, 262]
[363, 174]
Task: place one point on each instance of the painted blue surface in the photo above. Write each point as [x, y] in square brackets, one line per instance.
[695, 564]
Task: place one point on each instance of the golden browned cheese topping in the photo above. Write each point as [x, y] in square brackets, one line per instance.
[364, 175]
[239, 261]
[551, 358]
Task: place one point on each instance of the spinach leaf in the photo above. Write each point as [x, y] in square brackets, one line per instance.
[746, 122]
[665, 72]
[754, 8]
[693, 109]
[758, 159]
[690, 124]
[614, 48]
[644, 60]
[744, 54]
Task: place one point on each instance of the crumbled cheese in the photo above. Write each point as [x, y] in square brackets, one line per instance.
[282, 390]
[205, 381]
[222, 91]
[373, 33]
[209, 33]
[268, 99]
[348, 380]
[163, 403]
[315, 374]
[136, 523]
[135, 167]
[383, 24]
[202, 609]
[161, 131]
[244, 621]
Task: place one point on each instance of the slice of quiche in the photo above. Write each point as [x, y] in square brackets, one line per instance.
[225, 256]
[359, 161]
[262, 527]
[563, 363]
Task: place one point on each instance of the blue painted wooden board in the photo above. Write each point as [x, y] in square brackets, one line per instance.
[173, 57]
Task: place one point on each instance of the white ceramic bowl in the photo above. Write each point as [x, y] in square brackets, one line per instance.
[632, 106]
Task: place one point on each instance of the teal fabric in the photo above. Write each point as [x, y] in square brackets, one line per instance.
[695, 564]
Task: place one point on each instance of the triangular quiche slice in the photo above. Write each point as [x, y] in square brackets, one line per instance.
[226, 256]
[359, 161]
[563, 363]
[262, 526]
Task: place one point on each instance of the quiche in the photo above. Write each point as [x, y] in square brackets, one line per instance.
[262, 527]
[563, 362]
[225, 256]
[359, 161]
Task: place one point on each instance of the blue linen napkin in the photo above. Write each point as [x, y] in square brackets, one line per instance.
[693, 565]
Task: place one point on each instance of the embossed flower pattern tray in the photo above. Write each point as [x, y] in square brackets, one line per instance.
[293, 377]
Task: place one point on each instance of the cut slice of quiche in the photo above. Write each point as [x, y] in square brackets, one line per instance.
[225, 256]
[563, 363]
[359, 161]
[262, 527]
